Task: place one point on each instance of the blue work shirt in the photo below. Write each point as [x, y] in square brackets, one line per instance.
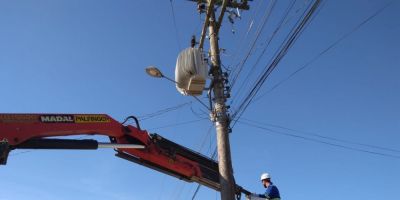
[271, 192]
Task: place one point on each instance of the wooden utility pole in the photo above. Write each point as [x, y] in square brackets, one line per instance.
[219, 112]
[220, 116]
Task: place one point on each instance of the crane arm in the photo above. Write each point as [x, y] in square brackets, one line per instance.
[43, 131]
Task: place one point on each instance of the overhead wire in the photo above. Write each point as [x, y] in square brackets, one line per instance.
[202, 115]
[269, 68]
[202, 103]
[320, 141]
[323, 136]
[177, 124]
[276, 59]
[251, 71]
[241, 41]
[200, 148]
[163, 111]
[215, 151]
[280, 53]
[175, 25]
[236, 71]
[330, 47]
[305, 3]
[19, 153]
[213, 156]
[161, 189]
[331, 144]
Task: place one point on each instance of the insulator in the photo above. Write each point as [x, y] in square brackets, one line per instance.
[193, 41]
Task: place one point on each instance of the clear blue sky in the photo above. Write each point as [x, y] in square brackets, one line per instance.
[73, 56]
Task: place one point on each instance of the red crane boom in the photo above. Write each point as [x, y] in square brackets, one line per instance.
[43, 131]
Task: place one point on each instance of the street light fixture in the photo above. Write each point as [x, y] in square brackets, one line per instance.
[155, 72]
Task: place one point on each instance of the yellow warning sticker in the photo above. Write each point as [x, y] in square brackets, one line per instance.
[91, 119]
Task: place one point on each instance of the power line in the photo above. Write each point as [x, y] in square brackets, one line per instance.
[213, 156]
[280, 24]
[338, 41]
[324, 137]
[240, 42]
[180, 186]
[202, 103]
[175, 26]
[203, 114]
[19, 153]
[163, 111]
[277, 58]
[205, 139]
[178, 190]
[260, 28]
[320, 141]
[270, 67]
[199, 150]
[177, 124]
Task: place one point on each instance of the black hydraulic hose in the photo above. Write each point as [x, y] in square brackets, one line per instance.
[134, 118]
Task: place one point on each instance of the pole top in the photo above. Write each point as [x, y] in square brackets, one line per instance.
[243, 5]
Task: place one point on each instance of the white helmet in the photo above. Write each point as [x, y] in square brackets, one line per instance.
[265, 176]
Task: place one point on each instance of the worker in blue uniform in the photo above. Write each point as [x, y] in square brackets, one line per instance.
[271, 193]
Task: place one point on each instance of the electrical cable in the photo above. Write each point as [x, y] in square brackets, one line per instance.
[202, 103]
[163, 111]
[324, 137]
[296, 11]
[240, 42]
[19, 153]
[338, 41]
[135, 119]
[213, 156]
[180, 189]
[199, 149]
[175, 26]
[259, 30]
[177, 124]
[320, 141]
[251, 71]
[202, 115]
[277, 58]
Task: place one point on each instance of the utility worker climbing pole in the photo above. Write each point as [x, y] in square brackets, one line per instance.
[272, 192]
